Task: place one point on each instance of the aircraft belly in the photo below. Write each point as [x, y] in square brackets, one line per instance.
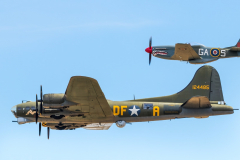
[147, 118]
[202, 61]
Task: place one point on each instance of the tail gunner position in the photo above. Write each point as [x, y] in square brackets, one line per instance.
[84, 105]
[196, 54]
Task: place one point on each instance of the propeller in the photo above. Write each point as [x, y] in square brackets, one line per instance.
[48, 132]
[40, 125]
[150, 57]
[40, 109]
[149, 50]
[150, 42]
[41, 100]
[36, 109]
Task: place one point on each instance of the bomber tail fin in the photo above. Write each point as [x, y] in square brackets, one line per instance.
[206, 82]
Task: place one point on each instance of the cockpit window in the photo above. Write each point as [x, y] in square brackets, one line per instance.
[196, 44]
[32, 108]
[19, 108]
[27, 108]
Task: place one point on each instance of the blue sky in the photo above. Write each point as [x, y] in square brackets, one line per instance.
[45, 43]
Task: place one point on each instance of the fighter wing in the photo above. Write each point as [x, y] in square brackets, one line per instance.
[185, 52]
[87, 93]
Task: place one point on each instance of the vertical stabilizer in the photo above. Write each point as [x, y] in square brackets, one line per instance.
[238, 44]
[206, 82]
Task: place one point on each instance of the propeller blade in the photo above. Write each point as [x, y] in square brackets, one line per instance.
[40, 126]
[150, 42]
[36, 117]
[48, 132]
[149, 50]
[41, 104]
[150, 57]
[36, 109]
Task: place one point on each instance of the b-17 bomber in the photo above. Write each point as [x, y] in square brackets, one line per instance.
[194, 54]
[84, 105]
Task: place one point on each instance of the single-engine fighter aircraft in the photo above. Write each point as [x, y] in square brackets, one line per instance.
[84, 105]
[194, 54]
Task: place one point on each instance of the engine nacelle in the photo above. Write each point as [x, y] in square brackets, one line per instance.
[22, 120]
[121, 124]
[53, 98]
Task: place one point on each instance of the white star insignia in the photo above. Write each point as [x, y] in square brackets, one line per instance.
[134, 110]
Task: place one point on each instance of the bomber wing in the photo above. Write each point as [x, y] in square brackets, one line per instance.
[91, 126]
[184, 52]
[87, 93]
[98, 126]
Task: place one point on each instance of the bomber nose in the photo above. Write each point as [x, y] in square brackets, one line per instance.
[148, 50]
[14, 109]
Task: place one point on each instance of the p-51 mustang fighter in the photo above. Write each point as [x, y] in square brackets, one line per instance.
[196, 54]
[84, 105]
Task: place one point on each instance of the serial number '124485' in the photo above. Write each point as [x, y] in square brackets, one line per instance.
[200, 86]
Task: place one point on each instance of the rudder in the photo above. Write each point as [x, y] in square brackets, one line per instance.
[216, 87]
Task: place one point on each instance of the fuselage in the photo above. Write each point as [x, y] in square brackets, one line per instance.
[129, 111]
[207, 54]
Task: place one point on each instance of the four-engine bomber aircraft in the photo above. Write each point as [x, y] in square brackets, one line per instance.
[84, 105]
[194, 54]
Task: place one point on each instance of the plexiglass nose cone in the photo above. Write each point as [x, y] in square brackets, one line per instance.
[14, 109]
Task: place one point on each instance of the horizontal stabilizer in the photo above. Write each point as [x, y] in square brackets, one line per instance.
[197, 102]
[236, 48]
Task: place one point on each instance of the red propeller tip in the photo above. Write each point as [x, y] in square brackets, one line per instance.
[148, 50]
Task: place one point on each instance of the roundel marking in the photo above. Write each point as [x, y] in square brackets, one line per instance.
[215, 52]
[134, 111]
